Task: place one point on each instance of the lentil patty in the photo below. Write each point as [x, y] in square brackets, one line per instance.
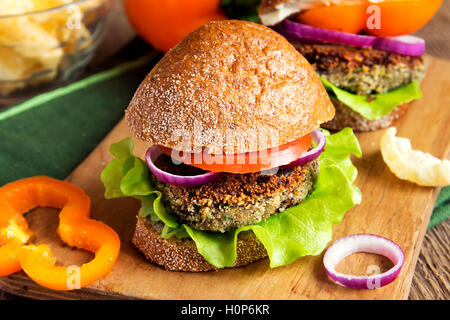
[362, 71]
[235, 200]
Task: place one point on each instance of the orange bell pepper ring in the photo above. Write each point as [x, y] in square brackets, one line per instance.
[14, 233]
[75, 228]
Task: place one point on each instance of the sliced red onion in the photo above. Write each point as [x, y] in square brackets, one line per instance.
[310, 155]
[183, 181]
[405, 45]
[293, 30]
[363, 243]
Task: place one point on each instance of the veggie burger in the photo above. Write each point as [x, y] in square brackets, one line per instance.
[361, 49]
[237, 168]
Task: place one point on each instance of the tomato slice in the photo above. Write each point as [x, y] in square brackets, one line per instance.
[395, 17]
[344, 18]
[164, 23]
[244, 162]
[404, 17]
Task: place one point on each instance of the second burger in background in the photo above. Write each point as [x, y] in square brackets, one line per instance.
[361, 50]
[236, 168]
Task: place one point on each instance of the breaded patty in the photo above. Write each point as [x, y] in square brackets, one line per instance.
[362, 70]
[235, 200]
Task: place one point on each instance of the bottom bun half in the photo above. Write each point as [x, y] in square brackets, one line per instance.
[181, 254]
[346, 117]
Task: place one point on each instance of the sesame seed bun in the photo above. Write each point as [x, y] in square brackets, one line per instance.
[236, 78]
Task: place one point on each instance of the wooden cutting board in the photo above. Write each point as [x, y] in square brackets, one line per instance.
[392, 208]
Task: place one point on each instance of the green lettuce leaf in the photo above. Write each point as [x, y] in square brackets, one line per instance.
[301, 230]
[375, 106]
[128, 176]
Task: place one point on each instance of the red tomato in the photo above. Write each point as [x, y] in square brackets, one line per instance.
[164, 23]
[405, 16]
[395, 17]
[245, 162]
[345, 18]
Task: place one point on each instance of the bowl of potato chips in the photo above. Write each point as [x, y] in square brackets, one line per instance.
[46, 43]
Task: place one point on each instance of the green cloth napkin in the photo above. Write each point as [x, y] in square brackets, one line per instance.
[441, 208]
[53, 132]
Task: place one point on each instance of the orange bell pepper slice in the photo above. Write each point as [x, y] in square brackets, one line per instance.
[75, 228]
[14, 233]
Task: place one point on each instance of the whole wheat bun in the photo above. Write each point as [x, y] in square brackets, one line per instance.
[181, 254]
[346, 117]
[234, 77]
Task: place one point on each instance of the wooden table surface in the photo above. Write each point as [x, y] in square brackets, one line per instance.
[432, 276]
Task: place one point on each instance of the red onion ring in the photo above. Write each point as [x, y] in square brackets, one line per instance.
[363, 243]
[183, 181]
[310, 155]
[192, 181]
[297, 31]
[404, 45]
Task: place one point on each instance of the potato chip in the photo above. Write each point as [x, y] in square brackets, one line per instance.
[413, 165]
[33, 46]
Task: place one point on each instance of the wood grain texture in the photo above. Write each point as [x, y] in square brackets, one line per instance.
[431, 278]
[438, 42]
[392, 208]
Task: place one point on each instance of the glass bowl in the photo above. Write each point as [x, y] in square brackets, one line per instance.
[43, 49]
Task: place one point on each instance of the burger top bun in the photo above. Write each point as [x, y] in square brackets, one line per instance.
[225, 85]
